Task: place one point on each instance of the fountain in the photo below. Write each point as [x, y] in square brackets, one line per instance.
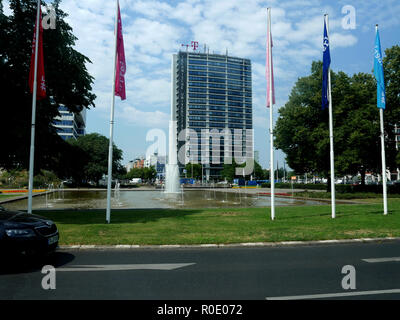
[61, 191]
[215, 197]
[117, 193]
[172, 169]
[152, 199]
[51, 192]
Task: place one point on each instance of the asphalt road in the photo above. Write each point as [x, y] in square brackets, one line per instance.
[254, 273]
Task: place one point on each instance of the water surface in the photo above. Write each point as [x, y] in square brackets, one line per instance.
[153, 199]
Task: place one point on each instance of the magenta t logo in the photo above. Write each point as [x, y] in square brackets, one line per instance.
[194, 45]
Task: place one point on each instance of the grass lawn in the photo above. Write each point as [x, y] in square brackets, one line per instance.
[8, 196]
[200, 226]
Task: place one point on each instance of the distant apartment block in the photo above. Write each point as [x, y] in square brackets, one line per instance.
[157, 162]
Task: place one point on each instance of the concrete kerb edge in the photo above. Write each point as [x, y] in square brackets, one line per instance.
[228, 245]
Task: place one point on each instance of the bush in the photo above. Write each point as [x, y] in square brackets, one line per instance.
[14, 179]
[344, 196]
[311, 186]
[340, 188]
[45, 178]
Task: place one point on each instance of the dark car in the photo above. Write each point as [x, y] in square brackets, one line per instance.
[27, 234]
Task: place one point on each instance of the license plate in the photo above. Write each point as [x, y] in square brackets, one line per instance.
[52, 240]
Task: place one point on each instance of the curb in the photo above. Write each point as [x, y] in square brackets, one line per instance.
[233, 245]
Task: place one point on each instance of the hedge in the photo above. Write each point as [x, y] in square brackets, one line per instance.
[340, 188]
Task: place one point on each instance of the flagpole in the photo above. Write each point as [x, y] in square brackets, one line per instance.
[332, 162]
[384, 178]
[33, 123]
[272, 178]
[110, 148]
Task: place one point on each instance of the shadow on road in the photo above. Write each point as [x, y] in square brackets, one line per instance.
[23, 264]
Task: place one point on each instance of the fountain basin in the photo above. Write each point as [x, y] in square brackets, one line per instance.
[136, 199]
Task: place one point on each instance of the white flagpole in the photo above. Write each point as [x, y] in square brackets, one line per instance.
[384, 178]
[272, 178]
[33, 123]
[333, 205]
[110, 148]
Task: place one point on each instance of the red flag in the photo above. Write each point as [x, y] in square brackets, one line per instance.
[41, 84]
[121, 64]
[269, 39]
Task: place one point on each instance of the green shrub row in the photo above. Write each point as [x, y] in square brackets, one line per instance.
[340, 188]
[281, 185]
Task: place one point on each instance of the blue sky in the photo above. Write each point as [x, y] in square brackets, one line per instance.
[154, 30]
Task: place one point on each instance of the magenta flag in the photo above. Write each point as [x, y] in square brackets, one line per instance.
[41, 83]
[121, 64]
[269, 53]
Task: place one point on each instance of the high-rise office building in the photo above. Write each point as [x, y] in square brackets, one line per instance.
[70, 125]
[212, 96]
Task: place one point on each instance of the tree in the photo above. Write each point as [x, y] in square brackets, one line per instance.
[134, 173]
[302, 130]
[229, 171]
[95, 149]
[67, 79]
[148, 174]
[391, 64]
[193, 170]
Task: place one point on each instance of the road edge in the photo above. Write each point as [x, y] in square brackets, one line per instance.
[229, 245]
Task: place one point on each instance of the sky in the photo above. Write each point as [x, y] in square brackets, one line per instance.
[155, 30]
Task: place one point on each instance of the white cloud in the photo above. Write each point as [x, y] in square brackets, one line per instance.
[342, 40]
[153, 93]
[152, 37]
[149, 119]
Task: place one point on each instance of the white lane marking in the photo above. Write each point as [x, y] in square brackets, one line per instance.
[122, 267]
[375, 260]
[335, 295]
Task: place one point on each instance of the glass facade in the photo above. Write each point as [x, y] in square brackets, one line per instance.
[70, 125]
[213, 92]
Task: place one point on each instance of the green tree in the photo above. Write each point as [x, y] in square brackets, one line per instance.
[135, 173]
[229, 171]
[67, 79]
[95, 148]
[302, 130]
[149, 173]
[258, 172]
[193, 170]
[391, 64]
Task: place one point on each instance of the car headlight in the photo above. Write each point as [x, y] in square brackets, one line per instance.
[20, 233]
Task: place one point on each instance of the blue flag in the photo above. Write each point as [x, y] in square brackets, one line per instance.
[325, 71]
[378, 71]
